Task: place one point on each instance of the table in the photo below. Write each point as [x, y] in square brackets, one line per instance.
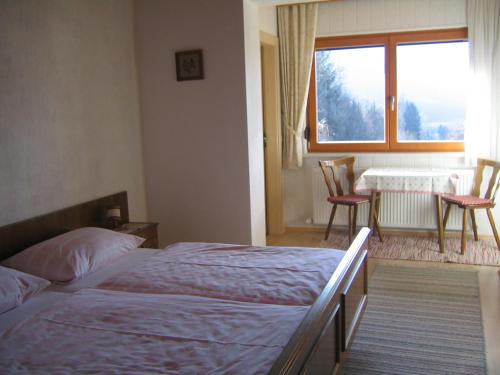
[410, 180]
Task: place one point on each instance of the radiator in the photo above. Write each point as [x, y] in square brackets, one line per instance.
[397, 210]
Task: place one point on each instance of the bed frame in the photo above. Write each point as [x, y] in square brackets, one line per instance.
[321, 341]
[319, 344]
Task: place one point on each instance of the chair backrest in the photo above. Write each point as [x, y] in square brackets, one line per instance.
[494, 182]
[331, 173]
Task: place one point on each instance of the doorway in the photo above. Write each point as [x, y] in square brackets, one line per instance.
[272, 133]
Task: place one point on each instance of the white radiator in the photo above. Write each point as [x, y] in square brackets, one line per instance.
[398, 210]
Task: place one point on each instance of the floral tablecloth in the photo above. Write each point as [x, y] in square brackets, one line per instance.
[408, 180]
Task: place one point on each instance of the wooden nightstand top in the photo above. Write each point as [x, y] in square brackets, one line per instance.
[134, 227]
[148, 231]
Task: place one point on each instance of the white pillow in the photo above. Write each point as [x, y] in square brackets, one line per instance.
[16, 287]
[71, 255]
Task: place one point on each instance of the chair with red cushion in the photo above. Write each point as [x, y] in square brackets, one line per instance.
[331, 173]
[474, 201]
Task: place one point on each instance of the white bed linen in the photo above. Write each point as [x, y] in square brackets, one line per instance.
[97, 331]
[279, 275]
[28, 308]
[123, 263]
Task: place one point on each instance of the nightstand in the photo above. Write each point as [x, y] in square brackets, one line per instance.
[149, 231]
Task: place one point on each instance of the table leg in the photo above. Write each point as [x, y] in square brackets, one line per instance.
[439, 218]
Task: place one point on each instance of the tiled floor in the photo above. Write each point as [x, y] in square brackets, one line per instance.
[489, 284]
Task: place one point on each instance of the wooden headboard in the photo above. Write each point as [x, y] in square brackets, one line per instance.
[18, 236]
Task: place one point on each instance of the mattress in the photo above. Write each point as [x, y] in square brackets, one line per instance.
[276, 275]
[99, 331]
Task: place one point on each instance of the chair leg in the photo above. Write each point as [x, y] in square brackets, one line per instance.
[377, 227]
[474, 226]
[373, 214]
[372, 207]
[350, 224]
[446, 215]
[377, 216]
[354, 218]
[332, 215]
[439, 220]
[493, 227]
[464, 232]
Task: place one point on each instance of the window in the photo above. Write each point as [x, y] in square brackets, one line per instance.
[393, 92]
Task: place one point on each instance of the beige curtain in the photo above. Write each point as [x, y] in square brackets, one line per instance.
[296, 31]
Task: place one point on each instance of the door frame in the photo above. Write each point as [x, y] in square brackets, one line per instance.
[271, 103]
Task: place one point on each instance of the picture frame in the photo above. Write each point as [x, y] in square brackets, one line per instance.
[189, 65]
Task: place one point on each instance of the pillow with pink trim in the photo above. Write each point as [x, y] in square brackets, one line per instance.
[16, 287]
[71, 255]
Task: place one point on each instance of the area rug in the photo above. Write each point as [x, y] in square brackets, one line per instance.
[483, 252]
[419, 321]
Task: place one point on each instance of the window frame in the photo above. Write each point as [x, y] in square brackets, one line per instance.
[390, 42]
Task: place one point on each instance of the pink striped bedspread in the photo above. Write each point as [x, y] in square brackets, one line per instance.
[106, 332]
[277, 275]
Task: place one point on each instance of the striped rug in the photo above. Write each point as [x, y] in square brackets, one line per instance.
[419, 321]
[483, 252]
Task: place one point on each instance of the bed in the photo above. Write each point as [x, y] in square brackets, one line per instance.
[145, 333]
[314, 341]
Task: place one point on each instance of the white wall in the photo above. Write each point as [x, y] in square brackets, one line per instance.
[345, 17]
[69, 117]
[254, 122]
[268, 20]
[198, 135]
[298, 183]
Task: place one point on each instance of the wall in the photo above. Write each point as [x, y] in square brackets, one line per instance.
[268, 20]
[200, 184]
[298, 183]
[254, 122]
[69, 118]
[346, 17]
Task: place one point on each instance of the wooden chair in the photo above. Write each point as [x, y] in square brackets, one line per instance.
[474, 201]
[331, 173]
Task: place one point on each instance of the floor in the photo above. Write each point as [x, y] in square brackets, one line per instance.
[489, 285]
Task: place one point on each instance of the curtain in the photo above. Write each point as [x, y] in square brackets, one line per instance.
[296, 31]
[482, 129]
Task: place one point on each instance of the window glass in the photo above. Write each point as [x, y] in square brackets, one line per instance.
[431, 87]
[350, 89]
[399, 92]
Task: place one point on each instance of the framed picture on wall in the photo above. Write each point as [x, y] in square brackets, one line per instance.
[189, 65]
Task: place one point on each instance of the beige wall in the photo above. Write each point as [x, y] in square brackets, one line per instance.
[200, 185]
[69, 118]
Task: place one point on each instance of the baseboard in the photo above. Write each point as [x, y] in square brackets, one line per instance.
[391, 231]
[312, 228]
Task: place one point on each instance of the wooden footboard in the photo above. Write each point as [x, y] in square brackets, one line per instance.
[328, 328]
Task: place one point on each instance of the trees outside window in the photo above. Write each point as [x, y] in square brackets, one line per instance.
[401, 92]
[341, 115]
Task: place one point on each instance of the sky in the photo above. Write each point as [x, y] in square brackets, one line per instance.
[432, 75]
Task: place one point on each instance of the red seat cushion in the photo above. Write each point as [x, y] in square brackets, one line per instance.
[349, 199]
[467, 200]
